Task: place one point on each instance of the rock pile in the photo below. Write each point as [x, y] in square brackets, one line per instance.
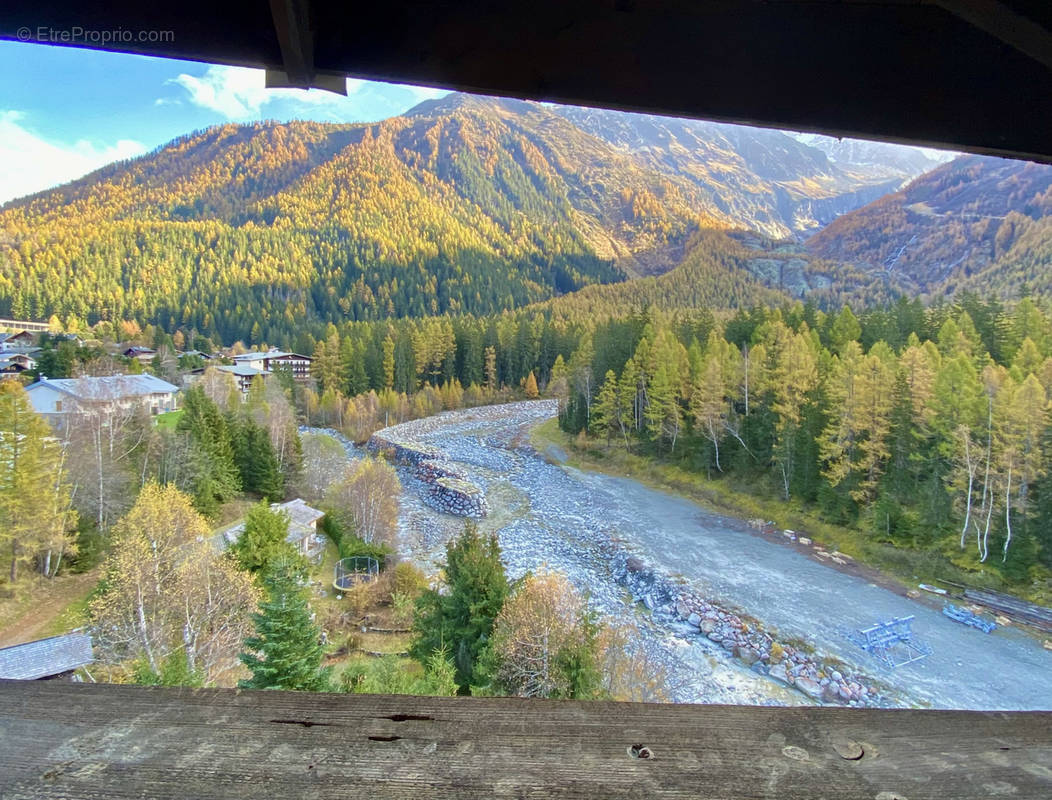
[457, 497]
[447, 488]
[742, 638]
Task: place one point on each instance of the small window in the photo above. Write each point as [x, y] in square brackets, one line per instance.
[58, 405]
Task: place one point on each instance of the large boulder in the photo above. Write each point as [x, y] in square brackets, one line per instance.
[778, 672]
[809, 687]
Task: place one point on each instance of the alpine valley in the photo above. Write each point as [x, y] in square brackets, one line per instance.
[479, 205]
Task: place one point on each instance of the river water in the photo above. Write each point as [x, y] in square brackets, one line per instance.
[546, 514]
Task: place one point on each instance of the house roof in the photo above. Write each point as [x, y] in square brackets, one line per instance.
[269, 354]
[45, 657]
[243, 370]
[300, 514]
[109, 387]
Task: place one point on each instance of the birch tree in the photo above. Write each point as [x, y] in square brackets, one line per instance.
[167, 589]
[366, 501]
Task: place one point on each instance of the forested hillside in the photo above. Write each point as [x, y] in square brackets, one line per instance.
[976, 222]
[766, 180]
[463, 205]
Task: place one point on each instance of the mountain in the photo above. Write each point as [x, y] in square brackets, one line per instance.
[464, 204]
[877, 158]
[764, 180]
[975, 222]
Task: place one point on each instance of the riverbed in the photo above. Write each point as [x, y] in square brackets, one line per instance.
[548, 515]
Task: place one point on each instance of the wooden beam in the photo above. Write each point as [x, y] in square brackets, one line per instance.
[293, 27]
[96, 741]
[1001, 22]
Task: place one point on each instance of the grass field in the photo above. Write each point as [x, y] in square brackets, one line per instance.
[169, 420]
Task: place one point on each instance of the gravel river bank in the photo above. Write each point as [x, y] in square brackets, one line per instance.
[589, 526]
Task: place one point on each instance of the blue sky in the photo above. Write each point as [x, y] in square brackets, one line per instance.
[65, 111]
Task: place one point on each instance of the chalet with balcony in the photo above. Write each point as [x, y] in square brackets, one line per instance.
[272, 360]
[243, 374]
[16, 341]
[14, 363]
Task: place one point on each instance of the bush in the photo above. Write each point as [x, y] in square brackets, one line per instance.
[349, 545]
[91, 547]
[407, 580]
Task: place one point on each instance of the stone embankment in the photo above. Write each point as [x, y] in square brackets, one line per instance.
[447, 488]
[743, 638]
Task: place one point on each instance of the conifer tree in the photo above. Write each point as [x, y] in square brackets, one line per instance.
[35, 511]
[461, 620]
[263, 540]
[606, 413]
[215, 475]
[530, 387]
[285, 652]
[256, 462]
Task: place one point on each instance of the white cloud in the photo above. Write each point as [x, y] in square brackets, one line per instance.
[239, 93]
[32, 163]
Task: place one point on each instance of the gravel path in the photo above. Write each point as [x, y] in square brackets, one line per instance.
[572, 521]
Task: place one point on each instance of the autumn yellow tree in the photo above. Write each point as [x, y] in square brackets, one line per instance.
[530, 386]
[36, 518]
[168, 590]
[366, 501]
[544, 642]
[855, 442]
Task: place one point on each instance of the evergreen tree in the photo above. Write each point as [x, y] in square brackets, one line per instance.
[606, 413]
[215, 478]
[256, 462]
[263, 540]
[461, 620]
[285, 652]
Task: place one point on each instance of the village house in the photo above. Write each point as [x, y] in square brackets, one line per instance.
[303, 529]
[144, 355]
[243, 374]
[16, 362]
[298, 365]
[46, 659]
[55, 398]
[17, 341]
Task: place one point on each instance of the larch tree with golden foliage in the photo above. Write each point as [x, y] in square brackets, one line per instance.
[36, 516]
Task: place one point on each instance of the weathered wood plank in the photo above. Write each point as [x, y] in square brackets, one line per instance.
[62, 740]
[1030, 613]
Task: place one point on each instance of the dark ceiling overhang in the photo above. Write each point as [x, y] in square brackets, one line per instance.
[972, 75]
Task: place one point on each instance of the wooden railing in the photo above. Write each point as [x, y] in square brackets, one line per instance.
[96, 741]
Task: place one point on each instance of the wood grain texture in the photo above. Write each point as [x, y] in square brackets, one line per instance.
[86, 741]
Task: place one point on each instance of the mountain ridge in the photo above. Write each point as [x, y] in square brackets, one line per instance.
[464, 204]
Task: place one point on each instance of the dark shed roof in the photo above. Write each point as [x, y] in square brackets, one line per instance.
[45, 657]
[963, 74]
